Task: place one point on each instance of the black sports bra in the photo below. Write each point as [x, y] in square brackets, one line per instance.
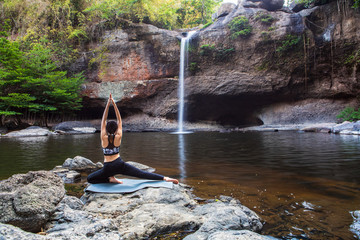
[111, 149]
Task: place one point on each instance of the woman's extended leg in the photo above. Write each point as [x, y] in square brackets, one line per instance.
[98, 176]
[135, 172]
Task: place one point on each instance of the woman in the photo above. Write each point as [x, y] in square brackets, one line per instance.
[111, 134]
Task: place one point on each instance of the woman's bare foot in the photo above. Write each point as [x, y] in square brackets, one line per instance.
[114, 180]
[171, 180]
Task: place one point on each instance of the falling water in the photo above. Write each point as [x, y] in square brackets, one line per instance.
[183, 64]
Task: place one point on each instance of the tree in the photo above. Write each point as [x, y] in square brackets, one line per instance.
[30, 81]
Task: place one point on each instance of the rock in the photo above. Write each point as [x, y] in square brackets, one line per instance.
[321, 127]
[238, 235]
[342, 126]
[69, 216]
[68, 176]
[32, 131]
[297, 6]
[356, 126]
[10, 232]
[153, 211]
[272, 5]
[225, 214]
[355, 227]
[81, 164]
[224, 10]
[74, 127]
[3, 130]
[141, 166]
[28, 200]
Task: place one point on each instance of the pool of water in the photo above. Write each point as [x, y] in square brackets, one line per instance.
[303, 185]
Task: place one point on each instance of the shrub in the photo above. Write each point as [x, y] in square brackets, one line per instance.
[240, 27]
[264, 18]
[207, 50]
[349, 114]
[223, 54]
[288, 43]
[193, 67]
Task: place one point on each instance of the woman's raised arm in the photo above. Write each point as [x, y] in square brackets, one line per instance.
[104, 118]
[118, 116]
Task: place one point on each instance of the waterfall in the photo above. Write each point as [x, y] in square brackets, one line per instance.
[183, 64]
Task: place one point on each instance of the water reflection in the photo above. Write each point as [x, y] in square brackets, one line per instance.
[182, 157]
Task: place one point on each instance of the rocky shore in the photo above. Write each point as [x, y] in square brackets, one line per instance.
[35, 206]
[163, 125]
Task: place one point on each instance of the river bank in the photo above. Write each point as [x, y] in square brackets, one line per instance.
[164, 125]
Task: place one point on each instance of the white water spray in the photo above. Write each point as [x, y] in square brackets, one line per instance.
[183, 65]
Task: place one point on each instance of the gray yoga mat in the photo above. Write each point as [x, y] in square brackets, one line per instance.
[128, 186]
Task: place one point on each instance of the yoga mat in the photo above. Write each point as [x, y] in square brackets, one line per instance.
[128, 186]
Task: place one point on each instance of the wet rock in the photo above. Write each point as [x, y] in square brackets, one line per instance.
[74, 127]
[342, 127]
[81, 164]
[225, 214]
[238, 235]
[28, 200]
[68, 176]
[32, 131]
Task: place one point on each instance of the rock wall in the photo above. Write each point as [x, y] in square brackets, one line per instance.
[294, 67]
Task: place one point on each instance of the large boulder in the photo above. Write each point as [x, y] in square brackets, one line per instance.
[28, 200]
[81, 164]
[272, 5]
[33, 131]
[152, 211]
[224, 10]
[74, 127]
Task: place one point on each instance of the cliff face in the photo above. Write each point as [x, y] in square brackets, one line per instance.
[292, 68]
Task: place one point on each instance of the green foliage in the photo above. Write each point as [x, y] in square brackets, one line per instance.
[288, 43]
[193, 67]
[217, 53]
[356, 4]
[307, 3]
[192, 13]
[223, 54]
[29, 80]
[207, 24]
[264, 18]
[207, 50]
[240, 26]
[349, 114]
[353, 58]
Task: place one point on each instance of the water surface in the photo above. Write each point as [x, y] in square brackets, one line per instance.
[303, 185]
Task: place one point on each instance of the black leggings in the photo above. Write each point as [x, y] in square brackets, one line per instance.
[118, 166]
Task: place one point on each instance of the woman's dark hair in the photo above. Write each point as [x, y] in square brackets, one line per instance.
[111, 127]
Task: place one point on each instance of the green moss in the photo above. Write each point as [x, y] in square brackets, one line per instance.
[240, 27]
[264, 18]
[207, 49]
[290, 42]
